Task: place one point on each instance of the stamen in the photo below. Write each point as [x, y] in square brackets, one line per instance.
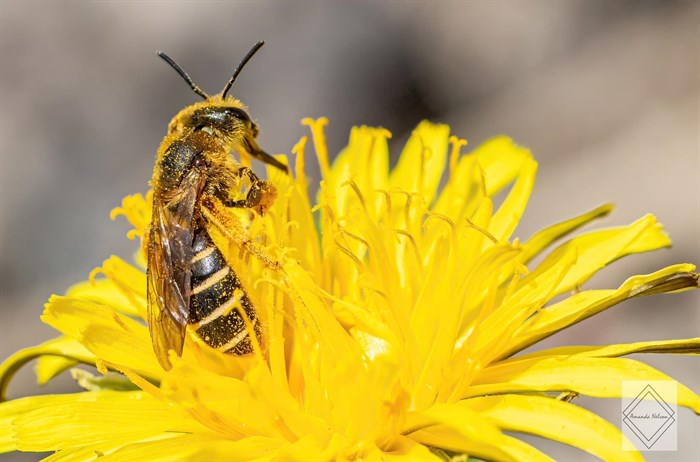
[407, 205]
[387, 197]
[115, 212]
[299, 164]
[442, 217]
[482, 231]
[287, 228]
[457, 143]
[357, 238]
[352, 256]
[407, 208]
[93, 274]
[320, 145]
[445, 219]
[416, 252]
[354, 187]
[510, 288]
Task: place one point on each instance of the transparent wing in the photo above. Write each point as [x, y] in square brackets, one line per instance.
[169, 255]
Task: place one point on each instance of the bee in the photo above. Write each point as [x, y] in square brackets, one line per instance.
[190, 284]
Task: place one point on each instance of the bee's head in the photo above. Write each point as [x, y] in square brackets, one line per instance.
[218, 114]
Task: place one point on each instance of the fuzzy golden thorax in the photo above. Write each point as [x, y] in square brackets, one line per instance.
[210, 131]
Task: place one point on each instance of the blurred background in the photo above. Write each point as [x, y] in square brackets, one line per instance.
[605, 94]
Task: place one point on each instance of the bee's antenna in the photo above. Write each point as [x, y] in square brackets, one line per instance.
[183, 74]
[238, 70]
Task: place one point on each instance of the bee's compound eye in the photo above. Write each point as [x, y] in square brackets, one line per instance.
[199, 162]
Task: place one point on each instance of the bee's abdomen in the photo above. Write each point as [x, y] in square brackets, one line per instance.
[217, 299]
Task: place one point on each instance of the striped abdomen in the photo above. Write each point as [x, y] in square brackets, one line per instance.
[217, 299]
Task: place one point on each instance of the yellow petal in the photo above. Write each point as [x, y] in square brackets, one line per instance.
[464, 431]
[501, 160]
[422, 161]
[238, 408]
[405, 449]
[110, 381]
[314, 316]
[137, 211]
[293, 218]
[104, 292]
[597, 377]
[555, 420]
[110, 336]
[183, 447]
[308, 448]
[590, 302]
[597, 249]
[48, 367]
[319, 139]
[365, 162]
[438, 335]
[289, 415]
[369, 400]
[62, 347]
[689, 346]
[541, 239]
[128, 279]
[52, 422]
[496, 331]
[511, 210]
[76, 455]
[464, 191]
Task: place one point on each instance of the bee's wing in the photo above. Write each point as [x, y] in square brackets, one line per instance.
[169, 255]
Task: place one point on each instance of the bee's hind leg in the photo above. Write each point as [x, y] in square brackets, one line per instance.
[236, 232]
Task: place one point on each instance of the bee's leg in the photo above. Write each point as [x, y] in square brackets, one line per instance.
[233, 230]
[260, 196]
[254, 193]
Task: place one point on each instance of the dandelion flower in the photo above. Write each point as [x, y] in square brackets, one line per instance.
[393, 324]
